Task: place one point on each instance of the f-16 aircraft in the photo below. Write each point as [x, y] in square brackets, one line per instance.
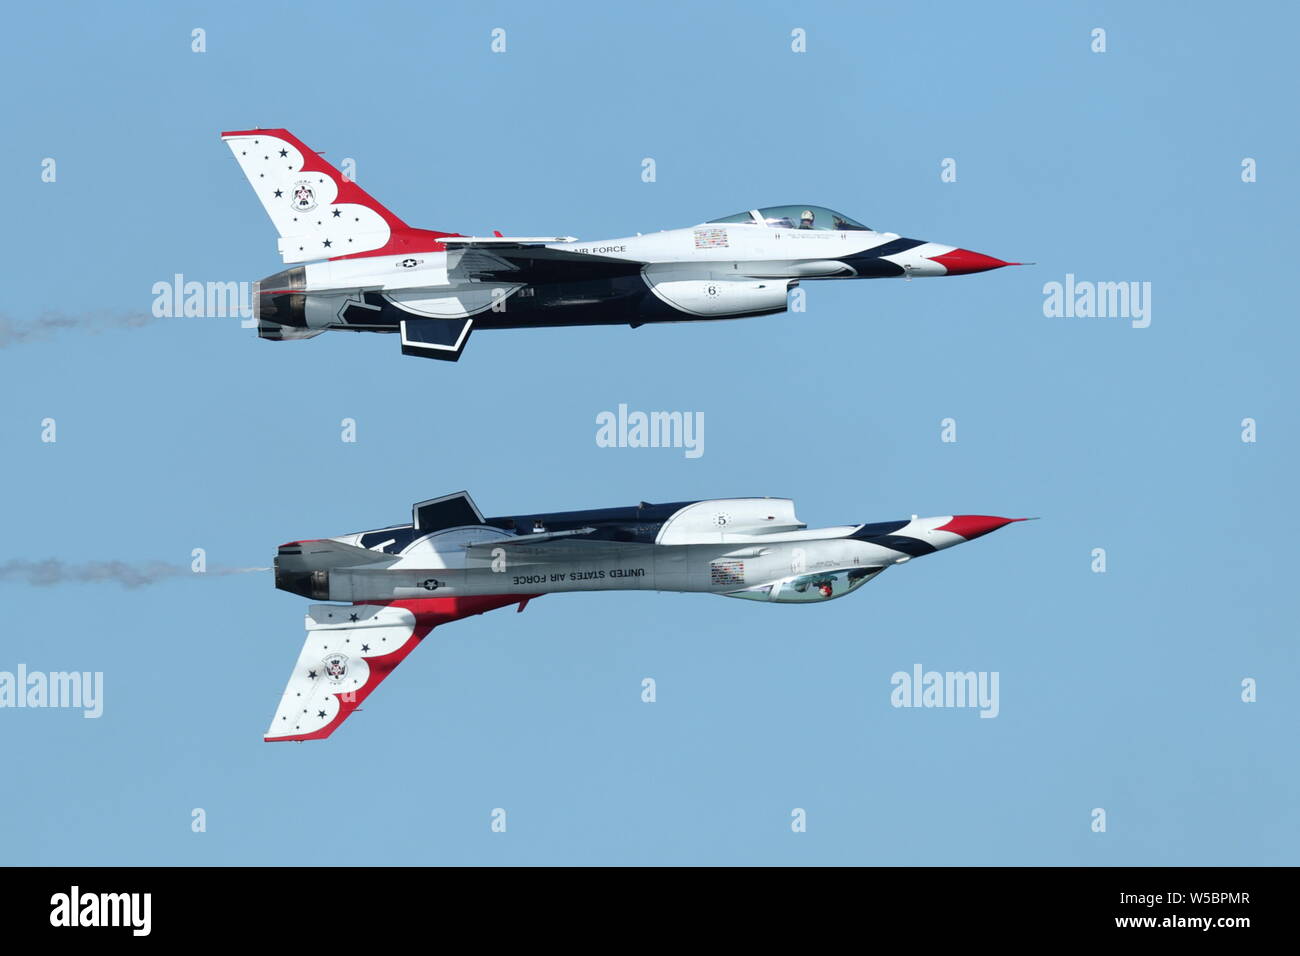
[449, 562]
[366, 270]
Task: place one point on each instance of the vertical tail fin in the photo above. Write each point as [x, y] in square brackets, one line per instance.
[350, 650]
[318, 212]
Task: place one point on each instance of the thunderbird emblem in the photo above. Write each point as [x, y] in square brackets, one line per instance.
[336, 667]
[304, 197]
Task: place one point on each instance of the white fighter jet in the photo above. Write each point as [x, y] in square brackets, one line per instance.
[449, 562]
[365, 270]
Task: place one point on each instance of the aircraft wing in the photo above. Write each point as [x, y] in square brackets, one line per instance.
[350, 650]
[533, 264]
[529, 549]
[503, 241]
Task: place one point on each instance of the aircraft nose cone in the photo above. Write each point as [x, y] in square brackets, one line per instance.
[962, 262]
[972, 526]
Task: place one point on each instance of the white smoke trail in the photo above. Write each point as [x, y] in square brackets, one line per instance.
[51, 572]
[20, 332]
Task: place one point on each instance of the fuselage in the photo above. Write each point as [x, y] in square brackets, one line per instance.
[745, 547]
[709, 271]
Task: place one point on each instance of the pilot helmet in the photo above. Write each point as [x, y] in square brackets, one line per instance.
[807, 216]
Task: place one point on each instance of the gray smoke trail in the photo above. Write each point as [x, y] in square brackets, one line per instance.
[51, 572]
[20, 332]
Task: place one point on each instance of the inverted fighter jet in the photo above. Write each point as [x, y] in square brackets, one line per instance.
[397, 584]
[365, 270]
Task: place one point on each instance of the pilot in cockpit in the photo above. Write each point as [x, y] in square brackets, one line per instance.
[806, 220]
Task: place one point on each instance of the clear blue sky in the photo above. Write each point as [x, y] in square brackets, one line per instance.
[1118, 690]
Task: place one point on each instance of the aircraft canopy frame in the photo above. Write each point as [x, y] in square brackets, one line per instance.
[797, 216]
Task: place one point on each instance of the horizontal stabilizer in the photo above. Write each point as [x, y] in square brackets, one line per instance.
[276, 332]
[327, 553]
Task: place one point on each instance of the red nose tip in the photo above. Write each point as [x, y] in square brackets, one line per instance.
[972, 526]
[961, 262]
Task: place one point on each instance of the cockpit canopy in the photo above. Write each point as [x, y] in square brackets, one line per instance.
[796, 217]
